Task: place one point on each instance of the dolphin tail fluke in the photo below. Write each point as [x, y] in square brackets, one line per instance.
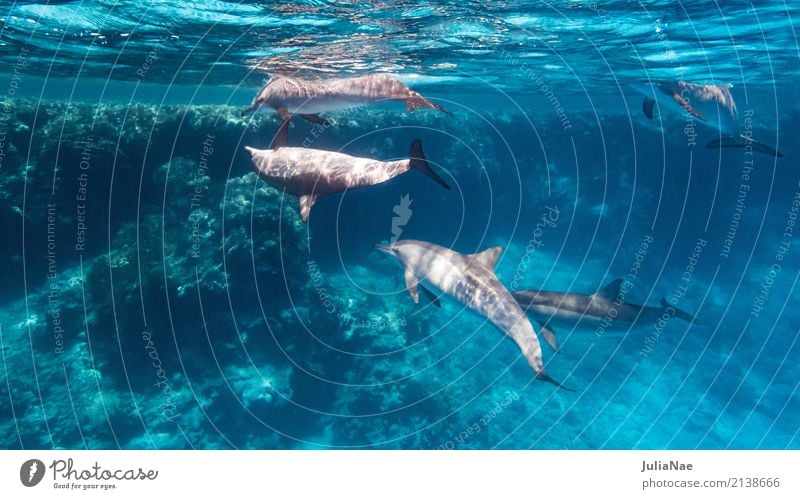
[416, 101]
[742, 142]
[542, 376]
[647, 107]
[419, 162]
[682, 315]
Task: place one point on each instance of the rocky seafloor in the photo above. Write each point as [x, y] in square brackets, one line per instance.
[159, 295]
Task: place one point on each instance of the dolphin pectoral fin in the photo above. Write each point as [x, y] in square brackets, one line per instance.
[253, 107]
[306, 202]
[542, 376]
[612, 291]
[314, 118]
[419, 162]
[488, 258]
[647, 107]
[283, 113]
[281, 138]
[550, 337]
[687, 107]
[411, 285]
[432, 297]
[742, 142]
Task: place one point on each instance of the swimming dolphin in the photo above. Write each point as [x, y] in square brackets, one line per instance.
[311, 173]
[711, 104]
[605, 307]
[288, 96]
[470, 279]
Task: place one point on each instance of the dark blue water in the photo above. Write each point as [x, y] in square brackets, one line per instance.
[156, 294]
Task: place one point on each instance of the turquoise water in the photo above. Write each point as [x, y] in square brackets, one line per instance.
[157, 294]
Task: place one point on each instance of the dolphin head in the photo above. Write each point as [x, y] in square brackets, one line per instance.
[407, 252]
[270, 97]
[269, 94]
[386, 248]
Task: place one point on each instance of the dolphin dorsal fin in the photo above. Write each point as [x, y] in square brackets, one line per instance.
[411, 285]
[611, 291]
[488, 258]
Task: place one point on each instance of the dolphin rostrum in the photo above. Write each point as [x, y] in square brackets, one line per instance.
[711, 104]
[288, 95]
[470, 279]
[311, 173]
[605, 308]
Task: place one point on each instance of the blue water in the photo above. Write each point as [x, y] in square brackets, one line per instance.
[156, 294]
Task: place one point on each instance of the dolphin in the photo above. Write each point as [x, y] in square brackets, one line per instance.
[470, 279]
[288, 96]
[711, 104]
[311, 173]
[605, 307]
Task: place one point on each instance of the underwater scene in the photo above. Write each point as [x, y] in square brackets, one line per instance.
[399, 225]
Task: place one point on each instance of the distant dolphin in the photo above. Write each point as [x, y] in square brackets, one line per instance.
[311, 173]
[606, 307]
[711, 104]
[470, 279]
[288, 95]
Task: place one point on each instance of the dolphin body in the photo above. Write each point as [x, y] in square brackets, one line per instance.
[311, 173]
[288, 95]
[470, 279]
[605, 308]
[711, 104]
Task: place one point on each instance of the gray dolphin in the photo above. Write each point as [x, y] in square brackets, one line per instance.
[470, 279]
[288, 96]
[605, 308]
[711, 104]
[311, 173]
